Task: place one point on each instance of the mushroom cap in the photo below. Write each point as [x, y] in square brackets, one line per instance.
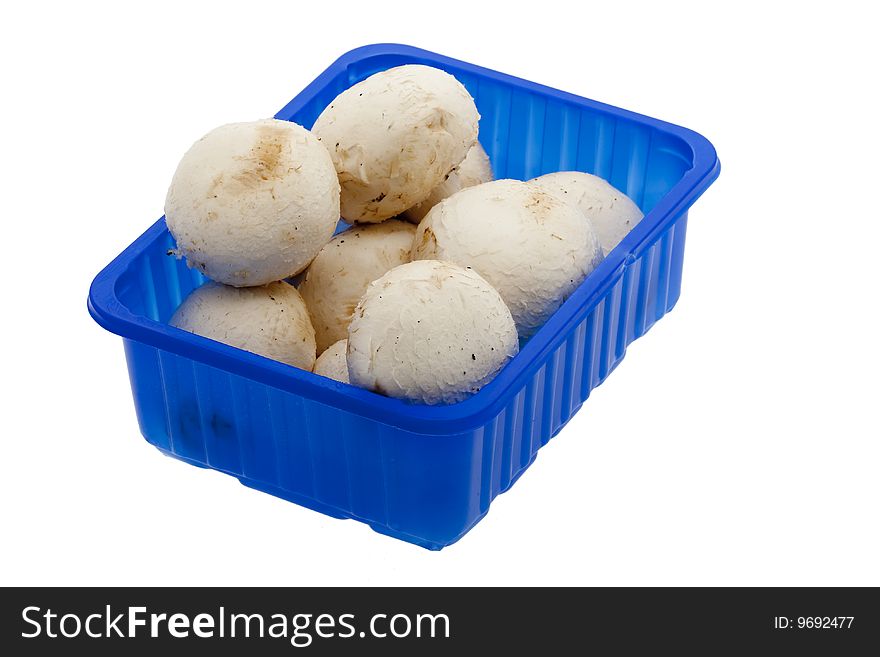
[429, 332]
[332, 362]
[473, 170]
[341, 272]
[534, 248]
[394, 136]
[270, 320]
[252, 203]
[612, 213]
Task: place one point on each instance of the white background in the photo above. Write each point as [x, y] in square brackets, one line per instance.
[736, 444]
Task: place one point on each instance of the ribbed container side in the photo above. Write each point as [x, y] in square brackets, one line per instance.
[425, 489]
[510, 442]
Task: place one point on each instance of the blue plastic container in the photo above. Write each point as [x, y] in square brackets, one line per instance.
[419, 473]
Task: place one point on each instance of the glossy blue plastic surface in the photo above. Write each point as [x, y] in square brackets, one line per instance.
[422, 474]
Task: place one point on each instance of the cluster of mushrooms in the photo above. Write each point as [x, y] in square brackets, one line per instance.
[445, 270]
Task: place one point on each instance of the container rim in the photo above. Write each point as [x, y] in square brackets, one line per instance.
[108, 311]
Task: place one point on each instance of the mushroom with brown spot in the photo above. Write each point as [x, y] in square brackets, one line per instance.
[612, 213]
[394, 137]
[534, 248]
[252, 203]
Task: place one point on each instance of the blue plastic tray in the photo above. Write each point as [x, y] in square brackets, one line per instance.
[422, 474]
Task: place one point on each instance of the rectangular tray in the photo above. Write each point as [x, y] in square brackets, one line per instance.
[423, 474]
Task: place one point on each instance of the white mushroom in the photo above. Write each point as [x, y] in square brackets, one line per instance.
[339, 275]
[332, 362]
[253, 203]
[429, 332]
[612, 213]
[394, 136]
[473, 170]
[270, 320]
[532, 247]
